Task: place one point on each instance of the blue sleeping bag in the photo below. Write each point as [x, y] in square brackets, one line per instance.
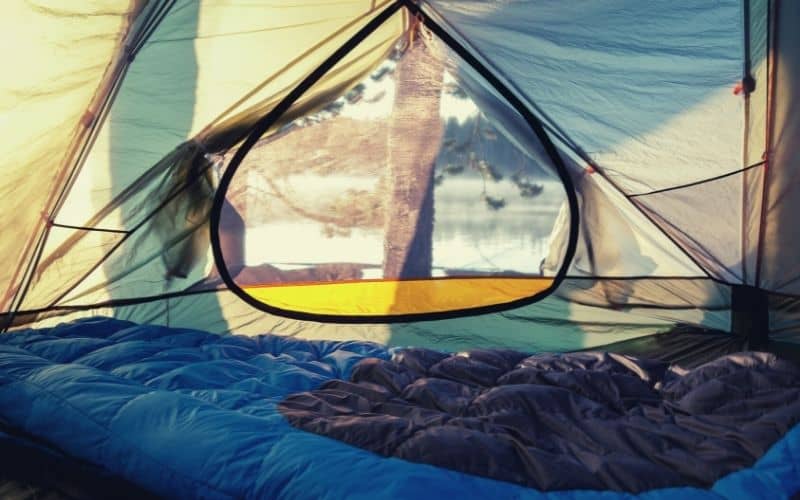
[188, 414]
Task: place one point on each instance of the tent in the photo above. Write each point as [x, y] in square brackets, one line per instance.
[522, 175]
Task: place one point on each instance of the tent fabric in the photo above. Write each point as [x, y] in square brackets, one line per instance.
[553, 324]
[152, 155]
[680, 105]
[189, 414]
[98, 267]
[637, 250]
[754, 147]
[783, 135]
[633, 85]
[669, 120]
[47, 103]
[378, 298]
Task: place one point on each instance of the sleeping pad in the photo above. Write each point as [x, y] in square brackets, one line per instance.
[188, 414]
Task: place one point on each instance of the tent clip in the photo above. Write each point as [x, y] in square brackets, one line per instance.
[746, 86]
[48, 221]
[130, 55]
[88, 118]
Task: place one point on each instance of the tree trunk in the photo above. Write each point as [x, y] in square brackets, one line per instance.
[415, 136]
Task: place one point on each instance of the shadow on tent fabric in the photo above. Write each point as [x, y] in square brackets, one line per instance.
[154, 112]
[607, 246]
[580, 84]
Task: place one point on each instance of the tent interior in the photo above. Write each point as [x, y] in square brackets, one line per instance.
[400, 249]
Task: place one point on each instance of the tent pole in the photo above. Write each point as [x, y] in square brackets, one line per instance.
[750, 316]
